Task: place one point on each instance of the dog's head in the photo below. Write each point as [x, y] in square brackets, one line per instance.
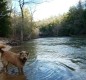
[23, 56]
[2, 46]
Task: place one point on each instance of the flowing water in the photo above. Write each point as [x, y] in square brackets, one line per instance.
[61, 58]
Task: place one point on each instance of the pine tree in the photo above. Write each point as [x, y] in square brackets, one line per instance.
[4, 19]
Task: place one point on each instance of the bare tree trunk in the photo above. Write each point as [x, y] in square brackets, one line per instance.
[22, 25]
[21, 3]
[14, 28]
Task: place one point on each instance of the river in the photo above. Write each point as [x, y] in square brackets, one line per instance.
[58, 58]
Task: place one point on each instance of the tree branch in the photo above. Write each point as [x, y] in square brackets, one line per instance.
[34, 2]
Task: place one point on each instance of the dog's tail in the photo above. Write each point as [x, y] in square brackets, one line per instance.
[2, 46]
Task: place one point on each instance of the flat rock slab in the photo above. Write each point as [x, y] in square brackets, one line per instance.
[39, 70]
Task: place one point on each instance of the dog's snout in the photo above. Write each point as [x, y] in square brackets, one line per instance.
[24, 58]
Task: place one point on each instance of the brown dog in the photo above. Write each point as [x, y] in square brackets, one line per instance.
[13, 58]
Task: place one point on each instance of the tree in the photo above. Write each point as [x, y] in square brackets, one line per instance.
[74, 23]
[4, 19]
[28, 25]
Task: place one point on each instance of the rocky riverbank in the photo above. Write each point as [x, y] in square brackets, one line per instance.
[4, 41]
[3, 75]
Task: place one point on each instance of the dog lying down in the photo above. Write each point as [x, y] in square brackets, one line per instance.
[17, 60]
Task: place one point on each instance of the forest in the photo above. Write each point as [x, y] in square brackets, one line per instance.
[72, 23]
[21, 25]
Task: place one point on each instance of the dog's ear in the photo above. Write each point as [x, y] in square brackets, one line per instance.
[20, 53]
[27, 53]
